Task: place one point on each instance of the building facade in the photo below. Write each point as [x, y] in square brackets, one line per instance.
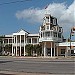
[50, 37]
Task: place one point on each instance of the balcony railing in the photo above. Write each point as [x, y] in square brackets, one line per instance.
[48, 39]
[22, 44]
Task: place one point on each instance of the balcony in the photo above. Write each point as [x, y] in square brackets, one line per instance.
[22, 44]
[48, 39]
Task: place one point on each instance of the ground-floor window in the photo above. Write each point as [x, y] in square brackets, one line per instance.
[72, 53]
[62, 51]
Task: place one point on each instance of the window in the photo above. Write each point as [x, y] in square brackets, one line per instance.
[54, 21]
[29, 40]
[34, 40]
[47, 34]
[55, 34]
[41, 34]
[59, 29]
[10, 40]
[47, 27]
[62, 51]
[47, 19]
[6, 41]
[59, 35]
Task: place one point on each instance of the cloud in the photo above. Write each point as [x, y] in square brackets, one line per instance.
[64, 14]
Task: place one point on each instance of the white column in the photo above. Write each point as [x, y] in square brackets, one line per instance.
[51, 49]
[14, 50]
[16, 45]
[20, 45]
[14, 39]
[31, 40]
[54, 49]
[37, 40]
[8, 41]
[24, 45]
[57, 50]
[44, 49]
[12, 46]
[26, 40]
[57, 36]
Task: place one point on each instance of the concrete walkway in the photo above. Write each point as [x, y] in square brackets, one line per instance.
[22, 73]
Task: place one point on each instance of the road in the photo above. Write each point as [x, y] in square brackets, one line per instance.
[38, 65]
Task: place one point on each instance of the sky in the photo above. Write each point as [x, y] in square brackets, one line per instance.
[28, 15]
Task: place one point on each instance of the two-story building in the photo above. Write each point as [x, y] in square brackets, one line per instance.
[49, 36]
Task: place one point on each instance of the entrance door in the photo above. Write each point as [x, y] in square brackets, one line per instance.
[49, 51]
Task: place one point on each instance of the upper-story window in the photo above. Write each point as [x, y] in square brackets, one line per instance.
[59, 35]
[47, 27]
[34, 40]
[47, 19]
[6, 41]
[29, 40]
[10, 40]
[54, 21]
[47, 34]
[55, 34]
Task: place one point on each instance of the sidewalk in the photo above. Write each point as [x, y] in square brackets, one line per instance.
[21, 73]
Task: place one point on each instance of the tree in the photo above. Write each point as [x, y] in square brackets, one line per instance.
[34, 49]
[8, 48]
[29, 49]
[38, 49]
[1, 44]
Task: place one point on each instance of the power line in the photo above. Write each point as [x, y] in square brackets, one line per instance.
[13, 2]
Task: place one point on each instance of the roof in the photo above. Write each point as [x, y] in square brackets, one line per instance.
[33, 34]
[21, 32]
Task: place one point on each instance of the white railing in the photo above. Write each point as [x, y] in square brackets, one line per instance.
[48, 39]
[22, 44]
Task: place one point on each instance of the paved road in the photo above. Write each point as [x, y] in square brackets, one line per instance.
[38, 65]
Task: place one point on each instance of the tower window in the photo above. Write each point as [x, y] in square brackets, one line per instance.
[54, 21]
[47, 28]
[47, 19]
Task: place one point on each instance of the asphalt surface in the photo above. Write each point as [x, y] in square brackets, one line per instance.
[38, 65]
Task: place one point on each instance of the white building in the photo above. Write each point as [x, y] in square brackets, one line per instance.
[50, 36]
